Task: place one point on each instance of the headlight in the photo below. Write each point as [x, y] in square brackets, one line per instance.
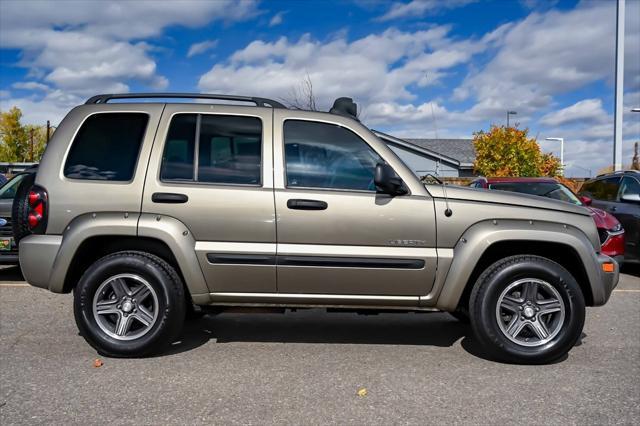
[616, 228]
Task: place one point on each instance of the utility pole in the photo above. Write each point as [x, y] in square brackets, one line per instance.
[618, 112]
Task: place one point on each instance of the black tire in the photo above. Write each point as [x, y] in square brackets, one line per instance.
[484, 301]
[20, 208]
[165, 283]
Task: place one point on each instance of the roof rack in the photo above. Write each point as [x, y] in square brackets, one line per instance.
[261, 102]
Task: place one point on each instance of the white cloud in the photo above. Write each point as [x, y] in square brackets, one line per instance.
[30, 85]
[419, 8]
[588, 111]
[277, 19]
[375, 68]
[201, 47]
[81, 48]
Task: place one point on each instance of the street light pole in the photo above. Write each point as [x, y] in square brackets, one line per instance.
[561, 140]
[618, 112]
[508, 114]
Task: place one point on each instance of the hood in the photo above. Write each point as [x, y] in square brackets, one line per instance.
[603, 219]
[505, 197]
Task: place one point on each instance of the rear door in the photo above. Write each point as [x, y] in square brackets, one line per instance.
[336, 235]
[216, 160]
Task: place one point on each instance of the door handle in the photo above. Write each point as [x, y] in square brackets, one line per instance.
[169, 198]
[297, 204]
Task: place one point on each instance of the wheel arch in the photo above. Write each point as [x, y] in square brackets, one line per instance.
[92, 236]
[492, 240]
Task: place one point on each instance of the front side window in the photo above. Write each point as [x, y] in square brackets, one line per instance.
[107, 147]
[229, 149]
[321, 155]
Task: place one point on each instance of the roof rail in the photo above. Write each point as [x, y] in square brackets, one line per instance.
[261, 102]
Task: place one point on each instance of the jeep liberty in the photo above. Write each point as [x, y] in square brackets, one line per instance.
[148, 210]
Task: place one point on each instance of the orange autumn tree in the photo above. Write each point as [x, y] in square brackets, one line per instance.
[509, 151]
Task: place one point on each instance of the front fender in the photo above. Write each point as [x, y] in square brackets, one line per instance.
[479, 237]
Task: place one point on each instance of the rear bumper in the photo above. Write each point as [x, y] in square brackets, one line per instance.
[9, 258]
[37, 259]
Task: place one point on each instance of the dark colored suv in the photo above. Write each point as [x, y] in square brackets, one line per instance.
[619, 194]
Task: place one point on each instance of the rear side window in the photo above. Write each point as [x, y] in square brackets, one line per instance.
[229, 149]
[107, 147]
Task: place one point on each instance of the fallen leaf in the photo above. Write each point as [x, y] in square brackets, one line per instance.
[362, 392]
[98, 363]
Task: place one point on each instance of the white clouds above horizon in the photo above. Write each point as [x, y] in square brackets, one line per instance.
[543, 65]
[81, 48]
[201, 47]
[418, 8]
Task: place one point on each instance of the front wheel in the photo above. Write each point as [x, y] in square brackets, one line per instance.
[527, 309]
[129, 304]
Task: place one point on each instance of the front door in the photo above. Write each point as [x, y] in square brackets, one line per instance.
[211, 169]
[335, 233]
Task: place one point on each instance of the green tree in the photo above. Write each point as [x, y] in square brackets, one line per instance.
[509, 151]
[13, 134]
[19, 142]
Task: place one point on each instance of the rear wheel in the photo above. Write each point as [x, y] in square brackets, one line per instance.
[129, 304]
[527, 309]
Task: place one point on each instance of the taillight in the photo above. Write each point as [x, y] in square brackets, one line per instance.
[37, 216]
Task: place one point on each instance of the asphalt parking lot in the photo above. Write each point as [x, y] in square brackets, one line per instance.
[306, 367]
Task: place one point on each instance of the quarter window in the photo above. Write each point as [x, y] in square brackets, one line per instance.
[107, 147]
[321, 155]
[630, 186]
[229, 149]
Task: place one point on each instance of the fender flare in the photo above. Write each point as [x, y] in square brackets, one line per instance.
[475, 241]
[166, 229]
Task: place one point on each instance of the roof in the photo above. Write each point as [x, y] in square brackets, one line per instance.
[417, 148]
[459, 149]
[521, 179]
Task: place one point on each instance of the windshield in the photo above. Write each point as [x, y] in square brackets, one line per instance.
[554, 190]
[8, 190]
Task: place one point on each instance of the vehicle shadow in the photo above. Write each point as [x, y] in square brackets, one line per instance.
[10, 273]
[317, 326]
[631, 269]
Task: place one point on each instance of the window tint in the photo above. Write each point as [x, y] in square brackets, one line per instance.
[107, 147]
[321, 155]
[177, 159]
[230, 149]
[630, 186]
[603, 189]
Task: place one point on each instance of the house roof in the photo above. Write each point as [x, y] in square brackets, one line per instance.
[459, 149]
[416, 148]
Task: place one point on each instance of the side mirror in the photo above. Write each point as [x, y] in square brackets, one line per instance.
[585, 200]
[387, 181]
[630, 198]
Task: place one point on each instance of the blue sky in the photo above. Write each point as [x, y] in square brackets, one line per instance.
[417, 68]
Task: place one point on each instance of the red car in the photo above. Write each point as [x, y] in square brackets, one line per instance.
[609, 229]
